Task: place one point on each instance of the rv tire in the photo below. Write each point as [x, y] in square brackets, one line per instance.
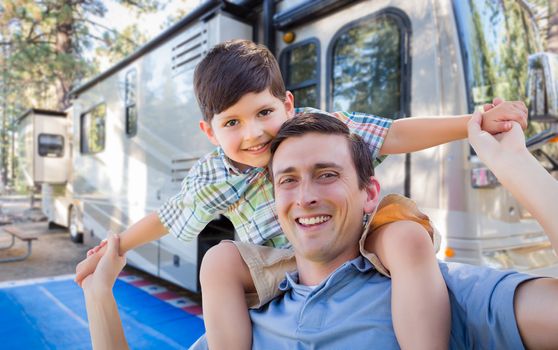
[73, 225]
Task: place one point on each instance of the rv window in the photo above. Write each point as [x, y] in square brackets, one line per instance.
[496, 38]
[366, 67]
[51, 145]
[93, 130]
[131, 103]
[300, 67]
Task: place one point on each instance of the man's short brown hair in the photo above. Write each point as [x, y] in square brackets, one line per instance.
[231, 70]
[322, 123]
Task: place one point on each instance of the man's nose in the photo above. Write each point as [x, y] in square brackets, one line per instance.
[307, 194]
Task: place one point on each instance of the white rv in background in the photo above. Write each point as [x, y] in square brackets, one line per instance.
[42, 147]
[135, 126]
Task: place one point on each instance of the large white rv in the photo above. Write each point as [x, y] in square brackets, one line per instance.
[135, 126]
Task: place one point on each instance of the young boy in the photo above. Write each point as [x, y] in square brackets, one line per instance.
[244, 103]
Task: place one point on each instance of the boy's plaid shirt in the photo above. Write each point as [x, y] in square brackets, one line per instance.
[214, 186]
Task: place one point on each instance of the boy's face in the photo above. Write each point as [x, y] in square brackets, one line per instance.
[245, 129]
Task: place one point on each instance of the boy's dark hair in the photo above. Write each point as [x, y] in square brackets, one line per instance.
[231, 70]
[329, 125]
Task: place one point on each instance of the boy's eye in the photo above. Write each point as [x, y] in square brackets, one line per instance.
[230, 123]
[265, 112]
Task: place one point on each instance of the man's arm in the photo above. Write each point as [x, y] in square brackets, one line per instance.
[105, 325]
[535, 301]
[146, 230]
[418, 133]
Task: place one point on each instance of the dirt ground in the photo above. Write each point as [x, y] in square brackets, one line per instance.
[53, 254]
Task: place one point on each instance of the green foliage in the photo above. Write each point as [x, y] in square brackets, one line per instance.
[45, 50]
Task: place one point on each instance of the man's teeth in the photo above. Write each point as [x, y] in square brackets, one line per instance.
[314, 220]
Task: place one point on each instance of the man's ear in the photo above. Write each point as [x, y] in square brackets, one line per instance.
[208, 131]
[372, 195]
[289, 104]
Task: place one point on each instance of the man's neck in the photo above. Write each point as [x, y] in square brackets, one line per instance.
[313, 272]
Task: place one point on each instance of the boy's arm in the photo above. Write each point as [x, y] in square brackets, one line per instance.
[535, 306]
[418, 133]
[148, 229]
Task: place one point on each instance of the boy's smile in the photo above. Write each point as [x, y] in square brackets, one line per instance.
[244, 131]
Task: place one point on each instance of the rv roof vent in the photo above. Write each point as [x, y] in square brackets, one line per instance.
[188, 48]
[180, 165]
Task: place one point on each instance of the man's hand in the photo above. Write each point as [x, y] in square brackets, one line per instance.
[493, 149]
[109, 266]
[499, 116]
[88, 265]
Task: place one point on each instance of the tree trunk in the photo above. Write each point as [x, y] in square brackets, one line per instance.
[64, 46]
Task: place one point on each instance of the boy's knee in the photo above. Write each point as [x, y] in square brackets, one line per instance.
[221, 259]
[409, 238]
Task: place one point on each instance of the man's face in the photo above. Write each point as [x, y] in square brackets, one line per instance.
[245, 129]
[319, 204]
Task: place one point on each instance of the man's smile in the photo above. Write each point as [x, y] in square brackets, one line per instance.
[313, 220]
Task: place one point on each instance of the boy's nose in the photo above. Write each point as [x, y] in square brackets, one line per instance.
[253, 131]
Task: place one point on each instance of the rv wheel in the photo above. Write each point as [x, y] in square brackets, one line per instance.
[73, 226]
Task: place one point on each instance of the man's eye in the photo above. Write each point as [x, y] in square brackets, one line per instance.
[265, 112]
[230, 123]
[328, 175]
[286, 180]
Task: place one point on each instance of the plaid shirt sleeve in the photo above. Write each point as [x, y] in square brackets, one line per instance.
[205, 193]
[371, 128]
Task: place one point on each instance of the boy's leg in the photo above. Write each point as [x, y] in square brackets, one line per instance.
[225, 279]
[405, 242]
[235, 276]
[420, 301]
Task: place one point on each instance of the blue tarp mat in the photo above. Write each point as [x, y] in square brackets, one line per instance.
[52, 315]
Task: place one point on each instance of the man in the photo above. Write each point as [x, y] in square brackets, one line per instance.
[336, 299]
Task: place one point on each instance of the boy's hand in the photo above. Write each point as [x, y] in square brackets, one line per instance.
[98, 247]
[492, 149]
[109, 266]
[88, 265]
[499, 116]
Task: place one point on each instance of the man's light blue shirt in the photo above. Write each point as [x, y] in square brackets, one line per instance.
[351, 309]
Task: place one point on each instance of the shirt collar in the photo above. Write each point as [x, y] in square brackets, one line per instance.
[360, 264]
[232, 169]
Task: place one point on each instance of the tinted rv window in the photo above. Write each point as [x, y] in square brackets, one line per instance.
[366, 67]
[300, 67]
[93, 130]
[51, 145]
[496, 38]
[130, 102]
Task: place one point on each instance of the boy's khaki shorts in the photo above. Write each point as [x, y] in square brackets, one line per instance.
[268, 265]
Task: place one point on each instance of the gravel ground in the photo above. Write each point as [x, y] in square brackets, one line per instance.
[53, 254]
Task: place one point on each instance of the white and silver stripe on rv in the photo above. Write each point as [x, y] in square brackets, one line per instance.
[188, 48]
